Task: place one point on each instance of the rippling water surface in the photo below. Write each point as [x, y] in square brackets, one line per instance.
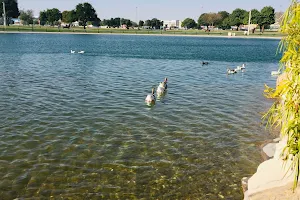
[76, 126]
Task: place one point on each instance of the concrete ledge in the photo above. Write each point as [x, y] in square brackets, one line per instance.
[270, 149]
[271, 174]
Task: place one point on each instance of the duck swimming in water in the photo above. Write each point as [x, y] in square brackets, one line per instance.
[241, 67]
[150, 98]
[161, 89]
[231, 71]
[165, 83]
[275, 73]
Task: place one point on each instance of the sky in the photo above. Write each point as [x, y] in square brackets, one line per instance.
[147, 9]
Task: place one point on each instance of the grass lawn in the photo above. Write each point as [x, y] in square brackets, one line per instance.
[135, 31]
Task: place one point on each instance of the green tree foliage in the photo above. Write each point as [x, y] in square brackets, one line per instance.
[126, 22]
[35, 21]
[43, 18]
[11, 9]
[188, 23]
[69, 16]
[237, 17]
[116, 22]
[96, 22]
[226, 24]
[207, 19]
[267, 17]
[26, 16]
[141, 23]
[223, 15]
[285, 112]
[85, 12]
[156, 23]
[255, 16]
[107, 22]
[202, 20]
[64, 15]
[148, 22]
[53, 16]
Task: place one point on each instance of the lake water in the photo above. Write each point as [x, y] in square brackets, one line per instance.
[76, 125]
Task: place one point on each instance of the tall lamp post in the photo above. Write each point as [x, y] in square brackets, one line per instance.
[136, 17]
[4, 15]
[249, 22]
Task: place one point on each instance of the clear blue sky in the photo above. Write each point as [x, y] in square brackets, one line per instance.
[161, 9]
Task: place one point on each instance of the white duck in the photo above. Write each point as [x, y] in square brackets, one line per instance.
[72, 51]
[231, 71]
[81, 52]
[166, 81]
[161, 89]
[275, 73]
[241, 67]
[150, 99]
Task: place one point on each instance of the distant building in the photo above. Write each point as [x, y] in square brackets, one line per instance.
[75, 23]
[278, 19]
[172, 24]
[64, 24]
[234, 28]
[16, 21]
[146, 27]
[245, 27]
[123, 26]
[275, 27]
[10, 21]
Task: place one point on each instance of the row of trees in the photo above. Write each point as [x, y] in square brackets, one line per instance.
[27, 17]
[238, 17]
[153, 23]
[116, 22]
[84, 13]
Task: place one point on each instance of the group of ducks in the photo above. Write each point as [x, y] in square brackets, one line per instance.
[81, 52]
[238, 68]
[161, 90]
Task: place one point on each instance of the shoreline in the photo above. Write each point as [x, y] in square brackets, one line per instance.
[168, 35]
[271, 180]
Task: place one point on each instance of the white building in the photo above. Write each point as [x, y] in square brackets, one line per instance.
[75, 23]
[172, 24]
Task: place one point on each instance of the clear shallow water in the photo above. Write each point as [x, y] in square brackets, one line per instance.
[76, 126]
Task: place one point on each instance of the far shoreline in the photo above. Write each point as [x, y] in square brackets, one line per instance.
[168, 35]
